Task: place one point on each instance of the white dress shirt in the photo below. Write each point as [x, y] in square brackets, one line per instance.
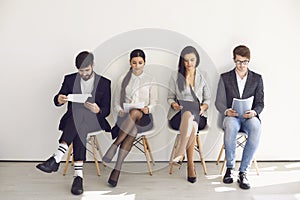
[241, 83]
[140, 88]
[88, 85]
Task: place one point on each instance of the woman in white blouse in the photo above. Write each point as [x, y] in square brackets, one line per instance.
[136, 87]
[189, 97]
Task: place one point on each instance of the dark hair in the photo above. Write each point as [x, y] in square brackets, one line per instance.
[181, 68]
[84, 59]
[137, 53]
[133, 54]
[241, 50]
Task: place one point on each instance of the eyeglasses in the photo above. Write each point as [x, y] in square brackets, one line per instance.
[245, 62]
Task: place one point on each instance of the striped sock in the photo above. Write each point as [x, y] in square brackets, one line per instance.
[78, 166]
[62, 149]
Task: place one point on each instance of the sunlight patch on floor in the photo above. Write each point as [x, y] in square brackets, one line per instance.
[293, 165]
[104, 195]
[275, 178]
[277, 197]
[224, 189]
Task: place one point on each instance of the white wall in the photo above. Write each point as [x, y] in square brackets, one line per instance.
[39, 40]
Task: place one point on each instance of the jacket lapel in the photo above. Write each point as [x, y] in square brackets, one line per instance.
[77, 87]
[96, 81]
[247, 85]
[234, 83]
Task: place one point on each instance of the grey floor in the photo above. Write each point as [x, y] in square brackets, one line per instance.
[277, 181]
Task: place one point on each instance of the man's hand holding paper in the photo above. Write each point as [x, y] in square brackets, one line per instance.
[242, 107]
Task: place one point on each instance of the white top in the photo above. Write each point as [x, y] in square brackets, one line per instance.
[241, 83]
[88, 85]
[187, 94]
[140, 88]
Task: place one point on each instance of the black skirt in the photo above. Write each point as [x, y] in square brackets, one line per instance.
[176, 120]
[142, 125]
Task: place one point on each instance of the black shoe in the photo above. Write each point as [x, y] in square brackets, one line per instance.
[243, 181]
[77, 187]
[115, 173]
[178, 161]
[49, 165]
[112, 183]
[192, 179]
[228, 176]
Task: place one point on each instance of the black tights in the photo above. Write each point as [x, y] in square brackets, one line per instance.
[125, 139]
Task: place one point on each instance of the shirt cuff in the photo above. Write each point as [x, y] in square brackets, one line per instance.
[226, 111]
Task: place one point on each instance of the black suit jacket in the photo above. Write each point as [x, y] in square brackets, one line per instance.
[228, 89]
[101, 95]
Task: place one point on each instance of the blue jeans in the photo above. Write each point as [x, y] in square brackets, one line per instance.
[252, 127]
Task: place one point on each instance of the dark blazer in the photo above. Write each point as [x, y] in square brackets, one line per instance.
[101, 95]
[228, 89]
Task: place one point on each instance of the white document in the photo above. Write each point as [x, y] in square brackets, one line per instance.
[129, 106]
[78, 98]
[242, 105]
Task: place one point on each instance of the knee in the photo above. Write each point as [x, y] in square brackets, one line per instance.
[134, 114]
[186, 115]
[229, 125]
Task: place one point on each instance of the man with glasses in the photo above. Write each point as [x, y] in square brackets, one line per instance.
[240, 83]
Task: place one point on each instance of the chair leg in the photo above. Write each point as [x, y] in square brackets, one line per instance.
[255, 165]
[199, 146]
[99, 150]
[220, 154]
[92, 138]
[150, 151]
[68, 159]
[147, 154]
[173, 153]
[223, 166]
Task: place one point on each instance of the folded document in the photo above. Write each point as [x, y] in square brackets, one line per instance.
[78, 98]
[129, 106]
[242, 105]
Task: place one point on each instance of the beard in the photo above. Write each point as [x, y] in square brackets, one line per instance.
[87, 76]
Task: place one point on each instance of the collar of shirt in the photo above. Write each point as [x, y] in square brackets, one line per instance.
[87, 85]
[133, 76]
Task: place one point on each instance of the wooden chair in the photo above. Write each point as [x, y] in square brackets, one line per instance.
[93, 141]
[198, 147]
[142, 144]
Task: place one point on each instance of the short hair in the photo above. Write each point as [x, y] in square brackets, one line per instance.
[241, 50]
[84, 59]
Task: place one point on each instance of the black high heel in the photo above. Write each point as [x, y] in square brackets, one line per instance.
[177, 161]
[114, 183]
[192, 179]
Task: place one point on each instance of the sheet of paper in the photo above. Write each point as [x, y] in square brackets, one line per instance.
[78, 98]
[128, 106]
[242, 105]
